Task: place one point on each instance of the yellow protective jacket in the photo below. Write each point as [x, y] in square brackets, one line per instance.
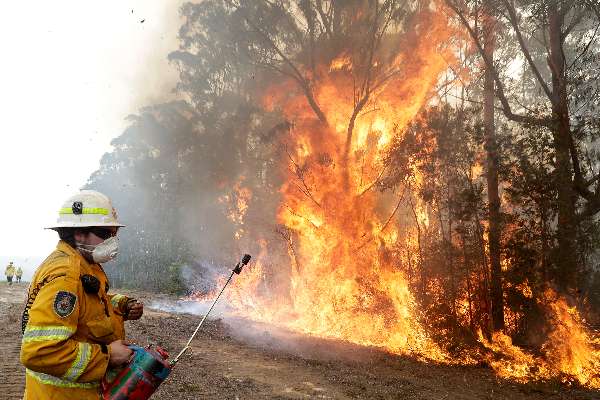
[10, 270]
[68, 327]
[19, 272]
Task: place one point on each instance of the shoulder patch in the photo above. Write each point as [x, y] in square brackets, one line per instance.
[64, 303]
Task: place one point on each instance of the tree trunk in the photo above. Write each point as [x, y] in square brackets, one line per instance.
[484, 279]
[466, 261]
[452, 274]
[544, 238]
[566, 276]
[422, 283]
[491, 148]
[449, 254]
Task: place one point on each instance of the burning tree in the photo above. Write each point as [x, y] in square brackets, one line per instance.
[352, 77]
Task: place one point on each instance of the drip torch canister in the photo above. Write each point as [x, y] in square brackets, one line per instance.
[149, 367]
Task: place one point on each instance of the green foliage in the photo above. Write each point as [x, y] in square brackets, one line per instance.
[174, 283]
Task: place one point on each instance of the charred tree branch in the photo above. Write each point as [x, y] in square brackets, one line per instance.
[372, 184]
[301, 216]
[383, 228]
[297, 75]
[300, 175]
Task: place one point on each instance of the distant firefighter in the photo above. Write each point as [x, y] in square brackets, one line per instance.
[10, 272]
[19, 274]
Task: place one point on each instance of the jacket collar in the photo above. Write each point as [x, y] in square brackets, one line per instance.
[66, 248]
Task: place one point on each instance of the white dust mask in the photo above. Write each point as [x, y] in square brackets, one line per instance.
[102, 252]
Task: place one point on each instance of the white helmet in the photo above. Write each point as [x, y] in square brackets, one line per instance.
[85, 209]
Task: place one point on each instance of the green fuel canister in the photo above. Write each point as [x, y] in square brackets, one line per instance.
[141, 377]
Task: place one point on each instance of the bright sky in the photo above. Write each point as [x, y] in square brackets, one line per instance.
[71, 72]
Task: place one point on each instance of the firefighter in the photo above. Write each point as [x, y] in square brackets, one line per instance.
[73, 329]
[19, 274]
[10, 271]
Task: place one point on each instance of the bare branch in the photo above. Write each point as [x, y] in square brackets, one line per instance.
[366, 86]
[286, 234]
[574, 22]
[298, 172]
[489, 63]
[301, 216]
[567, 6]
[324, 18]
[587, 47]
[297, 75]
[515, 24]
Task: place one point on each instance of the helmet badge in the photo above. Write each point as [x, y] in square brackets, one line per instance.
[77, 208]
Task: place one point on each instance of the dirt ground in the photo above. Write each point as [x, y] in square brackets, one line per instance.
[264, 364]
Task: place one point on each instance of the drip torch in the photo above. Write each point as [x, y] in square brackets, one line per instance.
[149, 367]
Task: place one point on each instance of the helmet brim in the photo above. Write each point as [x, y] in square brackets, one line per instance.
[85, 225]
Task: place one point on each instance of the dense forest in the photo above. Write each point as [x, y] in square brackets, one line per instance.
[424, 168]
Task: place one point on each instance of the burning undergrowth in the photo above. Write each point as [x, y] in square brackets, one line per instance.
[571, 352]
[268, 336]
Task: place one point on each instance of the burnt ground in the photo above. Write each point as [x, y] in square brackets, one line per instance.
[267, 364]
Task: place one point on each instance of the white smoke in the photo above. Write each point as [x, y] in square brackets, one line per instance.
[269, 337]
[194, 307]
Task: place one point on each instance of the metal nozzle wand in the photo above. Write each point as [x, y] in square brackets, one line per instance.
[236, 270]
[149, 367]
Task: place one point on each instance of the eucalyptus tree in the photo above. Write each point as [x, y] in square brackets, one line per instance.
[557, 48]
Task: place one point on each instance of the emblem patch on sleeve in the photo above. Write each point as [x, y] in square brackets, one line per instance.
[64, 303]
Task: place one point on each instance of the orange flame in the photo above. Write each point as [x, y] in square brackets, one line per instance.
[236, 204]
[571, 348]
[570, 354]
[340, 63]
[344, 282]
